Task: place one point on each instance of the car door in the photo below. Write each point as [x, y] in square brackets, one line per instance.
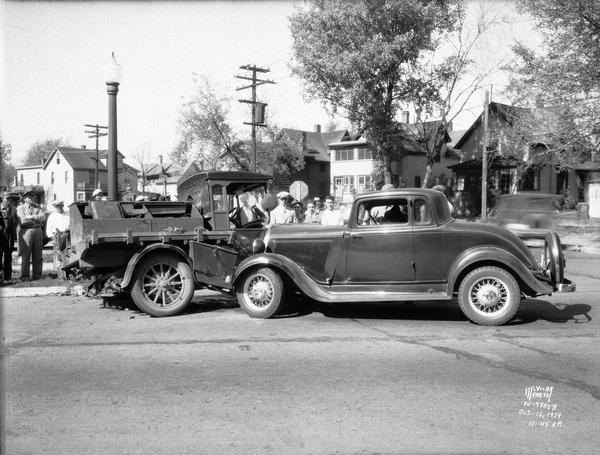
[379, 246]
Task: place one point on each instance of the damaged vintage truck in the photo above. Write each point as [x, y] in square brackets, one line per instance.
[398, 245]
[161, 251]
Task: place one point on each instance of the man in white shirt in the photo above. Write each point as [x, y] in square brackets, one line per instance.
[58, 228]
[330, 216]
[282, 214]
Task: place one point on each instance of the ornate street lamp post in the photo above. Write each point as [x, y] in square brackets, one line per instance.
[113, 78]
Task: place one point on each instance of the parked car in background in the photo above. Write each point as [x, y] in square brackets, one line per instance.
[529, 215]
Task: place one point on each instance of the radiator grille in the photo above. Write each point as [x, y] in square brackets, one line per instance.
[309, 255]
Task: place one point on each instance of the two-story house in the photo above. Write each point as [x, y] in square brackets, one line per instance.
[511, 165]
[352, 162]
[69, 174]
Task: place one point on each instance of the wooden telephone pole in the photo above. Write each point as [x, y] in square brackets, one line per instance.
[484, 161]
[258, 108]
[95, 133]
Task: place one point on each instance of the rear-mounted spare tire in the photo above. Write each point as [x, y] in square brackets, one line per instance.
[553, 260]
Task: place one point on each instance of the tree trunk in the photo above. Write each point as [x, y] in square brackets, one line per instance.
[387, 170]
[428, 171]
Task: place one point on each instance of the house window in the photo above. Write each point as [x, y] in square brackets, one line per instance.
[37, 178]
[364, 183]
[52, 177]
[80, 195]
[66, 176]
[365, 153]
[54, 197]
[530, 181]
[58, 158]
[417, 181]
[344, 184]
[21, 180]
[344, 155]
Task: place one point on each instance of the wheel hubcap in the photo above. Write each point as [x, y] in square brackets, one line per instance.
[260, 291]
[488, 295]
[163, 284]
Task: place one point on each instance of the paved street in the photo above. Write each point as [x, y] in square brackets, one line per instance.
[413, 378]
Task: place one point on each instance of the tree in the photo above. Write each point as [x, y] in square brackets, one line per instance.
[7, 170]
[206, 136]
[562, 81]
[442, 87]
[41, 150]
[355, 57]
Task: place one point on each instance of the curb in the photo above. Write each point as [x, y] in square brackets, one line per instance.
[8, 292]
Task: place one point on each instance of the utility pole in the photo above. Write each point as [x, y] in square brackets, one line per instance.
[95, 133]
[484, 161]
[258, 108]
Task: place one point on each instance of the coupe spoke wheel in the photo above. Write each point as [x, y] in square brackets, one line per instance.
[260, 293]
[489, 296]
[163, 286]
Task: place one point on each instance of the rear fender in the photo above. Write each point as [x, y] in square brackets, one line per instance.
[151, 249]
[494, 255]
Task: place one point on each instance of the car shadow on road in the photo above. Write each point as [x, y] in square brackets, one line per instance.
[532, 310]
[422, 311]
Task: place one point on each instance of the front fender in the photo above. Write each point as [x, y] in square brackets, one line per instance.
[491, 254]
[137, 257]
[286, 266]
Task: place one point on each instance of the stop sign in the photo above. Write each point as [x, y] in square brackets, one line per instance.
[299, 190]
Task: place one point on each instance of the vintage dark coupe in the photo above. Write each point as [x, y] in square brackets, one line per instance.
[400, 245]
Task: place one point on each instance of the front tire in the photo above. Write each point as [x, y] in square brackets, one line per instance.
[163, 285]
[489, 296]
[260, 293]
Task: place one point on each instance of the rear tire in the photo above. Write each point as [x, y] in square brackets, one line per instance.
[163, 285]
[489, 296]
[260, 293]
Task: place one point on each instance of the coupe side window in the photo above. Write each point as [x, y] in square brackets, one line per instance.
[421, 212]
[391, 211]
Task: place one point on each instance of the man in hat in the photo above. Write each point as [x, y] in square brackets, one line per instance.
[11, 221]
[59, 224]
[282, 213]
[97, 195]
[31, 220]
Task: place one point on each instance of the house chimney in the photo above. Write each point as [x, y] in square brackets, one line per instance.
[404, 117]
[317, 128]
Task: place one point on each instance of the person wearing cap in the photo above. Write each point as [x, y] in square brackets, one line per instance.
[298, 207]
[31, 237]
[58, 229]
[97, 195]
[330, 216]
[282, 213]
[11, 222]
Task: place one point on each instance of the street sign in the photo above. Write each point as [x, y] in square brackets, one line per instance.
[299, 190]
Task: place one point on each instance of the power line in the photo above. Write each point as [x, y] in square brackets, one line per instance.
[95, 133]
[258, 108]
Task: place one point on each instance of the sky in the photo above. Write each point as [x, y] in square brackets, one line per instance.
[53, 54]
